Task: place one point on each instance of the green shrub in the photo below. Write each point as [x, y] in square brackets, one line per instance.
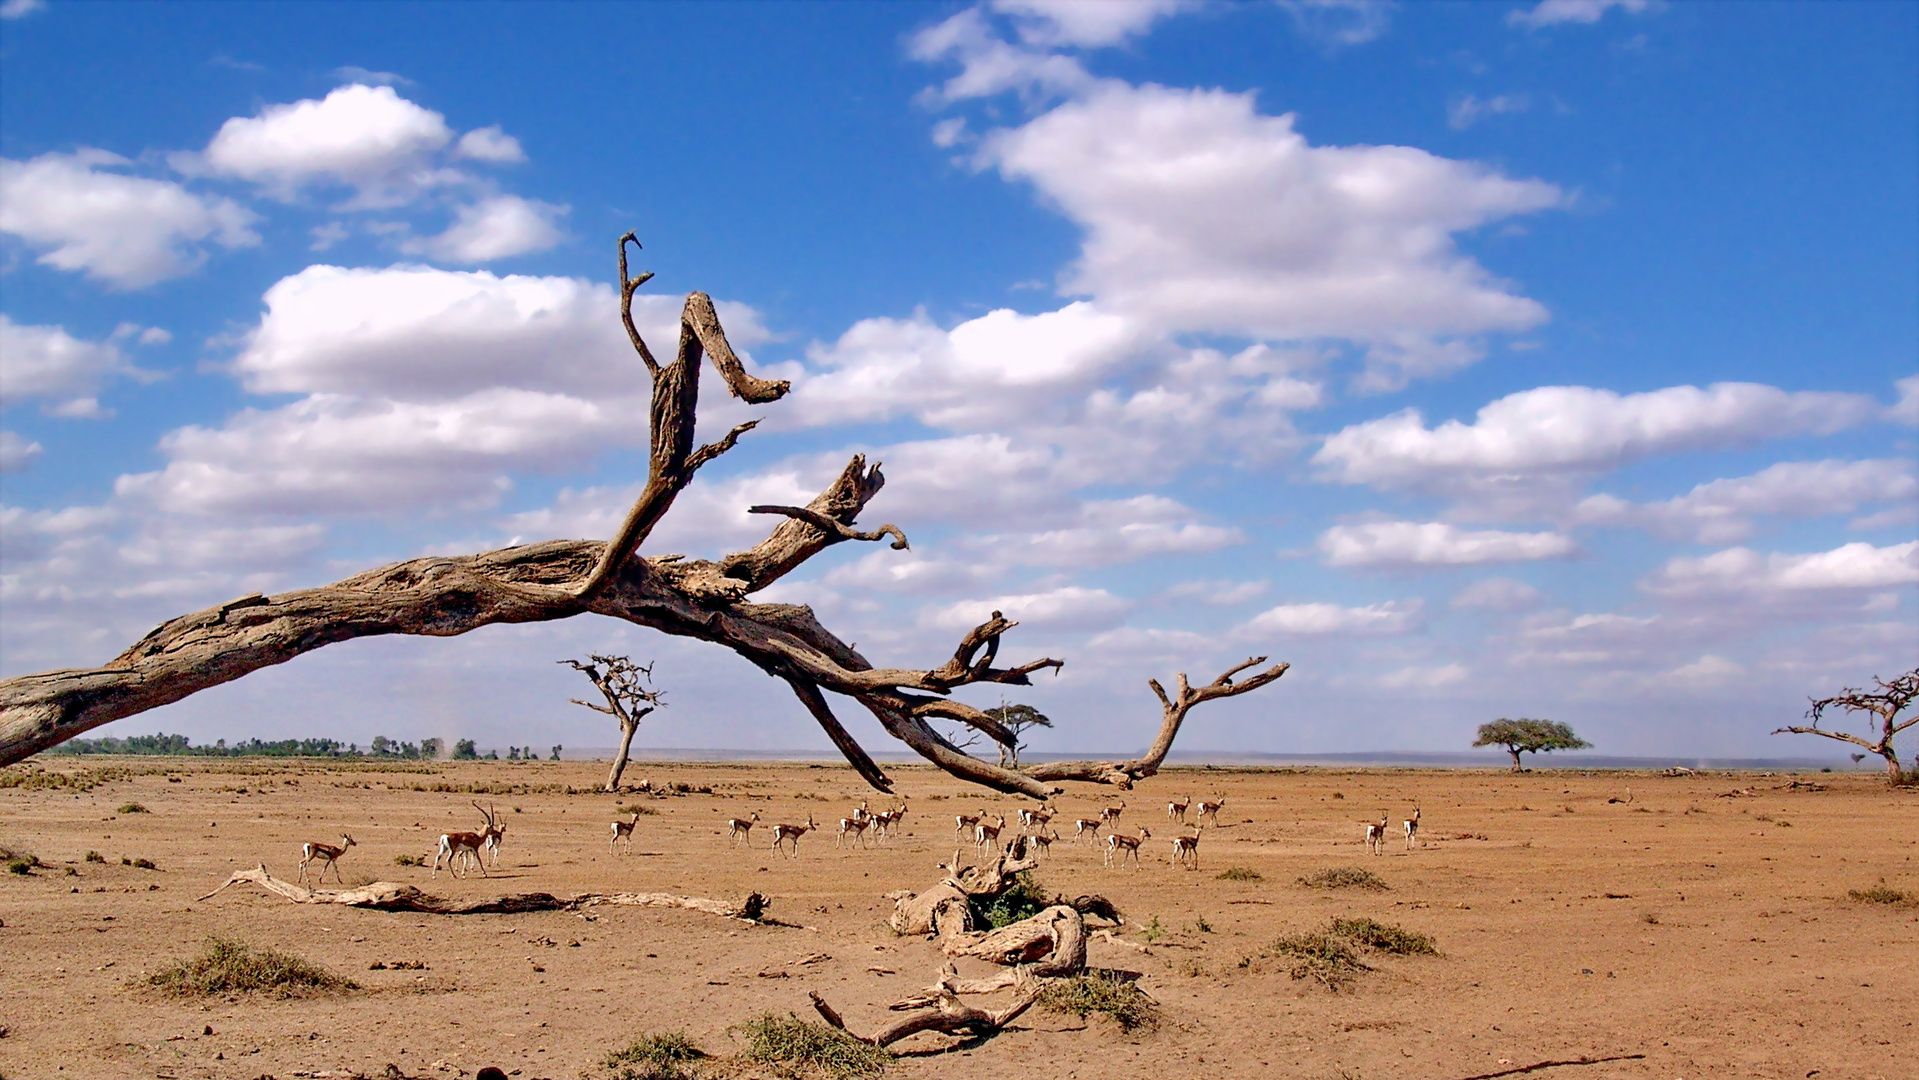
[133, 808]
[650, 1057]
[94, 856]
[409, 860]
[142, 864]
[630, 809]
[227, 966]
[1385, 937]
[801, 1044]
[1343, 877]
[22, 867]
[1022, 900]
[1323, 957]
[1097, 992]
[1240, 873]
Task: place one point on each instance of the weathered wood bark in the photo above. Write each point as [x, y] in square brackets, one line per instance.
[706, 600]
[395, 896]
[948, 1014]
[944, 909]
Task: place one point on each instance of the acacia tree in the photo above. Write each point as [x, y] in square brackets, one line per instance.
[1523, 736]
[1016, 719]
[709, 600]
[623, 684]
[1882, 706]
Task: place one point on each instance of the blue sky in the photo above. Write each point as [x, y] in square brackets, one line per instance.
[1550, 359]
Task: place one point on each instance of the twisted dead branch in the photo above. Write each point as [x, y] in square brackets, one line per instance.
[395, 896]
[703, 599]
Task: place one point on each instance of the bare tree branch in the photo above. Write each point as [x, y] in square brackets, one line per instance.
[700, 599]
[1883, 706]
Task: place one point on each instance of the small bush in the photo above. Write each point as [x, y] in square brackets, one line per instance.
[1022, 900]
[1240, 873]
[133, 808]
[22, 867]
[650, 1057]
[1385, 937]
[634, 808]
[1343, 877]
[94, 856]
[1878, 894]
[409, 860]
[795, 1043]
[1096, 992]
[1152, 931]
[1324, 957]
[142, 864]
[227, 966]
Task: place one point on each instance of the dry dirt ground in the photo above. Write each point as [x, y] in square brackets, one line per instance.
[1704, 924]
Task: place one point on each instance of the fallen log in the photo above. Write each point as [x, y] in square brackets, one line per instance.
[947, 1014]
[394, 896]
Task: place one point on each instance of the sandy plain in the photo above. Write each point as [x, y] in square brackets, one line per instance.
[1705, 924]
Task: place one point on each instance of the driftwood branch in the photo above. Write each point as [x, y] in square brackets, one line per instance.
[708, 600]
[947, 1014]
[394, 896]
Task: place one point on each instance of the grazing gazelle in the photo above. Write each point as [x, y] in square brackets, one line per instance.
[454, 845]
[1210, 808]
[739, 830]
[1082, 826]
[1110, 814]
[1186, 849]
[785, 833]
[623, 830]
[1123, 846]
[984, 833]
[1176, 810]
[312, 850]
[1376, 835]
[1412, 829]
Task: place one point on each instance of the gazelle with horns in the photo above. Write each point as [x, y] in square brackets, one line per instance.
[455, 845]
[312, 850]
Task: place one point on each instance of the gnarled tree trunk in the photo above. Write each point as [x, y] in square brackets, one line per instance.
[707, 600]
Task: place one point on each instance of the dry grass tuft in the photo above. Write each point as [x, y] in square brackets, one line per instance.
[802, 1045]
[1324, 957]
[1882, 894]
[1240, 873]
[132, 808]
[663, 1056]
[227, 966]
[629, 809]
[1385, 937]
[1094, 992]
[1343, 877]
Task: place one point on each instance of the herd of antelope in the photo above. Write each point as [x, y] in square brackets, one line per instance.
[464, 850]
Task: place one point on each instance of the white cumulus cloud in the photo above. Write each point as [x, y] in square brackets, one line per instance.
[1070, 607]
[496, 228]
[1390, 617]
[1204, 215]
[1574, 429]
[1745, 572]
[127, 231]
[365, 137]
[1435, 543]
[1090, 25]
[1555, 12]
[1723, 511]
[17, 452]
[490, 144]
[47, 362]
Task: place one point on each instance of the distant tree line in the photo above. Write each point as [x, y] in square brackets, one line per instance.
[382, 748]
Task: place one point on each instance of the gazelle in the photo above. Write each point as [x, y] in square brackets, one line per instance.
[1122, 845]
[854, 826]
[453, 845]
[1041, 843]
[1176, 810]
[740, 830]
[1029, 816]
[1376, 835]
[312, 850]
[884, 821]
[963, 822]
[1412, 829]
[623, 830]
[1110, 814]
[783, 833]
[1186, 849]
[1082, 826]
[1209, 808]
[984, 834]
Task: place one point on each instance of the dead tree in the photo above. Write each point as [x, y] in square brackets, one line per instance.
[395, 896]
[694, 598]
[1883, 706]
[623, 684]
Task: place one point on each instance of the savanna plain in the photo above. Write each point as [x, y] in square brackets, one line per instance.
[1694, 926]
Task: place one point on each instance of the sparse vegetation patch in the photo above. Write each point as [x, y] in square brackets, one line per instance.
[1343, 877]
[1882, 894]
[1385, 937]
[662, 1056]
[228, 966]
[808, 1047]
[1098, 992]
[1240, 873]
[1022, 900]
[133, 808]
[1323, 956]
